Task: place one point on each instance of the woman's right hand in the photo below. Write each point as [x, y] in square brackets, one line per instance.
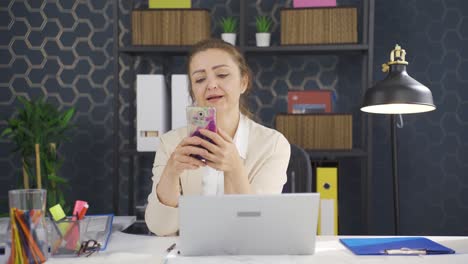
[181, 159]
[168, 188]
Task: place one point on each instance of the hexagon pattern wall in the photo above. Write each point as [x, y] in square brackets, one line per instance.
[433, 147]
[63, 50]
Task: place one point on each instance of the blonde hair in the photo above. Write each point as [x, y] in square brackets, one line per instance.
[235, 55]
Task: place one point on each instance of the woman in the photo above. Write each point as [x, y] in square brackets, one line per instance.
[246, 157]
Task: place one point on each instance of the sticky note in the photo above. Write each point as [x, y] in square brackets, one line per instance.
[57, 212]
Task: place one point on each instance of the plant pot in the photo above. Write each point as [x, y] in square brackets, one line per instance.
[229, 38]
[263, 39]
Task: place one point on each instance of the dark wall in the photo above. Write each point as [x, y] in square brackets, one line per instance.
[63, 50]
[432, 147]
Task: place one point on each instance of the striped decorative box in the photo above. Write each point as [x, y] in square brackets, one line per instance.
[317, 131]
[327, 25]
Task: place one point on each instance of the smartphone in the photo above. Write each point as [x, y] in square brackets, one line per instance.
[201, 118]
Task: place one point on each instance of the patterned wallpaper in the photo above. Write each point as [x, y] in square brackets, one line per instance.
[63, 50]
[432, 147]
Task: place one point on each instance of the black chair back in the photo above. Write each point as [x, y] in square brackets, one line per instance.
[299, 172]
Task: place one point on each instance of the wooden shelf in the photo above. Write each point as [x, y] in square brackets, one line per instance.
[169, 50]
[291, 49]
[299, 49]
[340, 153]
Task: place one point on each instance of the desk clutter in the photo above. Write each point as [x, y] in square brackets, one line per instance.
[33, 237]
[77, 235]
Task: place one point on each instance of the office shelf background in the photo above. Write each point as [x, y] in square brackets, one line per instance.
[342, 68]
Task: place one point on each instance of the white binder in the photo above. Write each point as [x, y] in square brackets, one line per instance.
[152, 115]
[180, 99]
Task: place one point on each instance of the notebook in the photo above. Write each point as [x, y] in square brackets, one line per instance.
[395, 246]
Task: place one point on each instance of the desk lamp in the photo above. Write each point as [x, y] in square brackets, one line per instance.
[397, 94]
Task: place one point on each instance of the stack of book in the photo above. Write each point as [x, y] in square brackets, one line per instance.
[311, 101]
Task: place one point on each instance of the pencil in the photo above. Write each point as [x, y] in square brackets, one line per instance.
[29, 238]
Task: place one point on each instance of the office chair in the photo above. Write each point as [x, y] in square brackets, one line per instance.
[299, 172]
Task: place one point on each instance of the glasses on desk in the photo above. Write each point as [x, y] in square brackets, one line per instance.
[88, 247]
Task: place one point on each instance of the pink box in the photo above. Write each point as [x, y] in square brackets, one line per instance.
[313, 3]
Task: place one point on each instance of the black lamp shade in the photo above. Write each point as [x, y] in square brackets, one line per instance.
[398, 93]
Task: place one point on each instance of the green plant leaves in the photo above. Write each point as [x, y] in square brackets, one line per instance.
[39, 122]
[57, 179]
[263, 24]
[66, 117]
[228, 24]
[7, 131]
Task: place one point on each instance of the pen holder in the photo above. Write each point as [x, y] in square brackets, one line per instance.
[66, 236]
[71, 237]
[28, 229]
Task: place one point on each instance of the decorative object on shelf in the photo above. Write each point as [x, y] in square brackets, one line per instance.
[37, 131]
[169, 4]
[170, 27]
[263, 34]
[313, 3]
[397, 94]
[229, 27]
[317, 131]
[329, 25]
[152, 116]
[311, 101]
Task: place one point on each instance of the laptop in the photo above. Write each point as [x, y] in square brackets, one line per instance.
[283, 224]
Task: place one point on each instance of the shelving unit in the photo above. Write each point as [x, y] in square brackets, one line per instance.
[364, 48]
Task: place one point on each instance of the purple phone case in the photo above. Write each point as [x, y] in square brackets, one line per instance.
[198, 118]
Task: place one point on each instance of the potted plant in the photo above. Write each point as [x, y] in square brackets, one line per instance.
[229, 26]
[263, 34]
[37, 131]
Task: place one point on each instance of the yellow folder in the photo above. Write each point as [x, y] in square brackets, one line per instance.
[327, 186]
[169, 3]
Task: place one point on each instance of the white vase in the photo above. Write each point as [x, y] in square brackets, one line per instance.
[263, 39]
[229, 38]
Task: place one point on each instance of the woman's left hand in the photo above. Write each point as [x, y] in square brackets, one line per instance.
[223, 155]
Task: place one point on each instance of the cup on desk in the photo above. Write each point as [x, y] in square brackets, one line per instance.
[27, 236]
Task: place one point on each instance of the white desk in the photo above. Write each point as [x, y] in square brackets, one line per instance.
[125, 248]
[133, 249]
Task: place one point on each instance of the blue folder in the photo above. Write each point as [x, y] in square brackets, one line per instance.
[395, 246]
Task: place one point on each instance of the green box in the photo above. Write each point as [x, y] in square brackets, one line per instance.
[169, 3]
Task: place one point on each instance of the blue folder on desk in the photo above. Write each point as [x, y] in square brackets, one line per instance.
[395, 246]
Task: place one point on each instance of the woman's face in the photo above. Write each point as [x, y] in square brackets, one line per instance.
[216, 80]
